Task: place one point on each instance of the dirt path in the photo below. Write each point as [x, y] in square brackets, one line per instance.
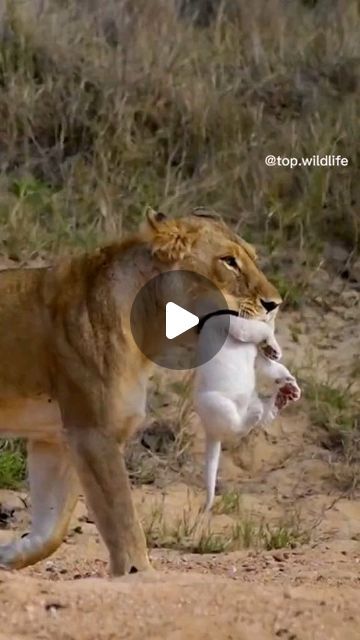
[311, 594]
[298, 597]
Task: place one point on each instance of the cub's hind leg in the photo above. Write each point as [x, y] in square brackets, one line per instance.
[212, 457]
[219, 417]
[54, 493]
[288, 389]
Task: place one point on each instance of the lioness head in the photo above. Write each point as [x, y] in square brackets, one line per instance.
[203, 243]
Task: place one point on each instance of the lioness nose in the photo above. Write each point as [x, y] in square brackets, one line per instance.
[269, 305]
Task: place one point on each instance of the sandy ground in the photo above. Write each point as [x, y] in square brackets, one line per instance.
[306, 602]
[310, 592]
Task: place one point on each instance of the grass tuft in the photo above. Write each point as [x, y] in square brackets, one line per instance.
[336, 410]
[228, 503]
[12, 465]
[193, 532]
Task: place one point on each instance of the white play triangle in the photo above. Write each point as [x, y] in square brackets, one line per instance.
[178, 320]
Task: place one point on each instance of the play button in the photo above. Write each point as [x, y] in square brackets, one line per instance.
[178, 320]
[165, 317]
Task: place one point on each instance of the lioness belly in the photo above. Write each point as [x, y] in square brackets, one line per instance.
[37, 418]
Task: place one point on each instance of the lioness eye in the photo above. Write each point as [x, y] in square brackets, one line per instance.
[230, 261]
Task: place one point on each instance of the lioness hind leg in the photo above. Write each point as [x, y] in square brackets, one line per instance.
[54, 493]
[101, 468]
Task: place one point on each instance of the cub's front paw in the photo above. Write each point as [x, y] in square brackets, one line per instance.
[271, 350]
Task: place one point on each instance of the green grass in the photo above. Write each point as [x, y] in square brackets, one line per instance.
[286, 534]
[228, 503]
[336, 411]
[334, 408]
[292, 292]
[12, 466]
[194, 532]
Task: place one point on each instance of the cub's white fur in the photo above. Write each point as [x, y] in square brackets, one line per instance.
[225, 396]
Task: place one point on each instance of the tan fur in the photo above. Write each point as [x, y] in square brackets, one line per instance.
[73, 382]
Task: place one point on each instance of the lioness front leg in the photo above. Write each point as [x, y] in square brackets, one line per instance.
[54, 491]
[101, 468]
[91, 433]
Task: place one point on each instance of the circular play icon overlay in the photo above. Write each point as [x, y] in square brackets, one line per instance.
[167, 314]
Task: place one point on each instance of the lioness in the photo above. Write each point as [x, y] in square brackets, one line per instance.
[73, 382]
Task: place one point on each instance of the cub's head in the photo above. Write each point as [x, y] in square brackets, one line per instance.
[203, 243]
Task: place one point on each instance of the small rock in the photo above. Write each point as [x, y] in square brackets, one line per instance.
[52, 607]
[249, 568]
[77, 529]
[50, 567]
[87, 519]
[350, 298]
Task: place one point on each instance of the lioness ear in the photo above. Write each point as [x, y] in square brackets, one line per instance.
[154, 218]
[173, 241]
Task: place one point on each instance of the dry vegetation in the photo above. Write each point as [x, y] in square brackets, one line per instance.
[104, 112]
[108, 106]
[196, 532]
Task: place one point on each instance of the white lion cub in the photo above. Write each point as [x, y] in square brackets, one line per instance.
[225, 396]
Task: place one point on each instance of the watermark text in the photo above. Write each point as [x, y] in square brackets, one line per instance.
[311, 161]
